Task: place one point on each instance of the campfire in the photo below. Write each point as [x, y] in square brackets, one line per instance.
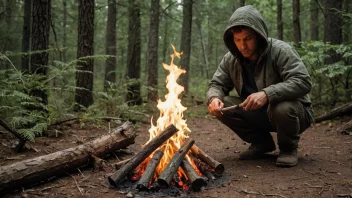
[169, 157]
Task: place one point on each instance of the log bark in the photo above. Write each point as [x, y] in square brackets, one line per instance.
[203, 168]
[340, 111]
[116, 178]
[217, 166]
[345, 129]
[172, 167]
[31, 171]
[197, 182]
[143, 183]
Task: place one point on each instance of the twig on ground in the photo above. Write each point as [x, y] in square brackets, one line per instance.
[322, 188]
[321, 147]
[311, 186]
[79, 188]
[50, 187]
[344, 195]
[80, 172]
[338, 163]
[261, 193]
[313, 173]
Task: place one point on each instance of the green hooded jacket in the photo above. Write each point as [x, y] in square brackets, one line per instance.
[279, 71]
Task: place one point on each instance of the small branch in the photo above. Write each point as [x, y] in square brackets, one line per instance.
[79, 188]
[311, 186]
[261, 193]
[16, 134]
[64, 121]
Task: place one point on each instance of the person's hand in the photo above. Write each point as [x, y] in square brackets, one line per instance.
[215, 106]
[254, 101]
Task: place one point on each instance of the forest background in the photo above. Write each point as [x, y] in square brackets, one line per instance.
[97, 59]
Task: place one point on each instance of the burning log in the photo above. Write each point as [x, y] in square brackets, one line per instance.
[143, 183]
[171, 169]
[206, 172]
[217, 166]
[197, 182]
[116, 178]
[204, 168]
[31, 171]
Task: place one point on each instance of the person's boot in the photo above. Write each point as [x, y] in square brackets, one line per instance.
[287, 159]
[256, 151]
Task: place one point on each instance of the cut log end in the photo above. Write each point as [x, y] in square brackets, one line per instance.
[162, 183]
[198, 184]
[219, 169]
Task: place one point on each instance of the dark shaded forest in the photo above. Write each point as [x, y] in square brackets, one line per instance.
[96, 59]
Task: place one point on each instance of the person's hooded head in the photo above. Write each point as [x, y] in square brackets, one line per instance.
[246, 35]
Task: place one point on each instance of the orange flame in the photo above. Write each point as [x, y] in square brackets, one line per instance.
[171, 112]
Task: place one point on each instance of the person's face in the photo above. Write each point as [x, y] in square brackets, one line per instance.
[246, 42]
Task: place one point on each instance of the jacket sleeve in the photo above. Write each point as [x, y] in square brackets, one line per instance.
[221, 83]
[296, 81]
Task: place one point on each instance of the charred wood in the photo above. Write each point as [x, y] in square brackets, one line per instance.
[217, 166]
[116, 178]
[197, 182]
[171, 168]
[31, 171]
[143, 183]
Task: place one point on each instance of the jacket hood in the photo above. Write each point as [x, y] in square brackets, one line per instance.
[245, 16]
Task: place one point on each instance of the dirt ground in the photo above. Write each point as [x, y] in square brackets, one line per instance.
[324, 169]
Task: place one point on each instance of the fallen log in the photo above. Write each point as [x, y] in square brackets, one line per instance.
[172, 167]
[116, 178]
[197, 182]
[31, 171]
[340, 111]
[143, 183]
[345, 129]
[217, 166]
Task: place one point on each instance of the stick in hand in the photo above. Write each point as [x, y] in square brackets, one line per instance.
[228, 108]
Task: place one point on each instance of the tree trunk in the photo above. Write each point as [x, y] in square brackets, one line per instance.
[242, 3]
[166, 43]
[110, 46]
[186, 42]
[333, 35]
[280, 23]
[199, 26]
[64, 42]
[40, 41]
[31, 171]
[333, 23]
[134, 54]
[314, 20]
[84, 75]
[347, 25]
[296, 23]
[153, 52]
[26, 34]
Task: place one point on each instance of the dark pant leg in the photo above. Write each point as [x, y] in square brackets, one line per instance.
[289, 119]
[250, 126]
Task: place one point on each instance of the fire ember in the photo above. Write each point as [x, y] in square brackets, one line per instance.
[169, 157]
